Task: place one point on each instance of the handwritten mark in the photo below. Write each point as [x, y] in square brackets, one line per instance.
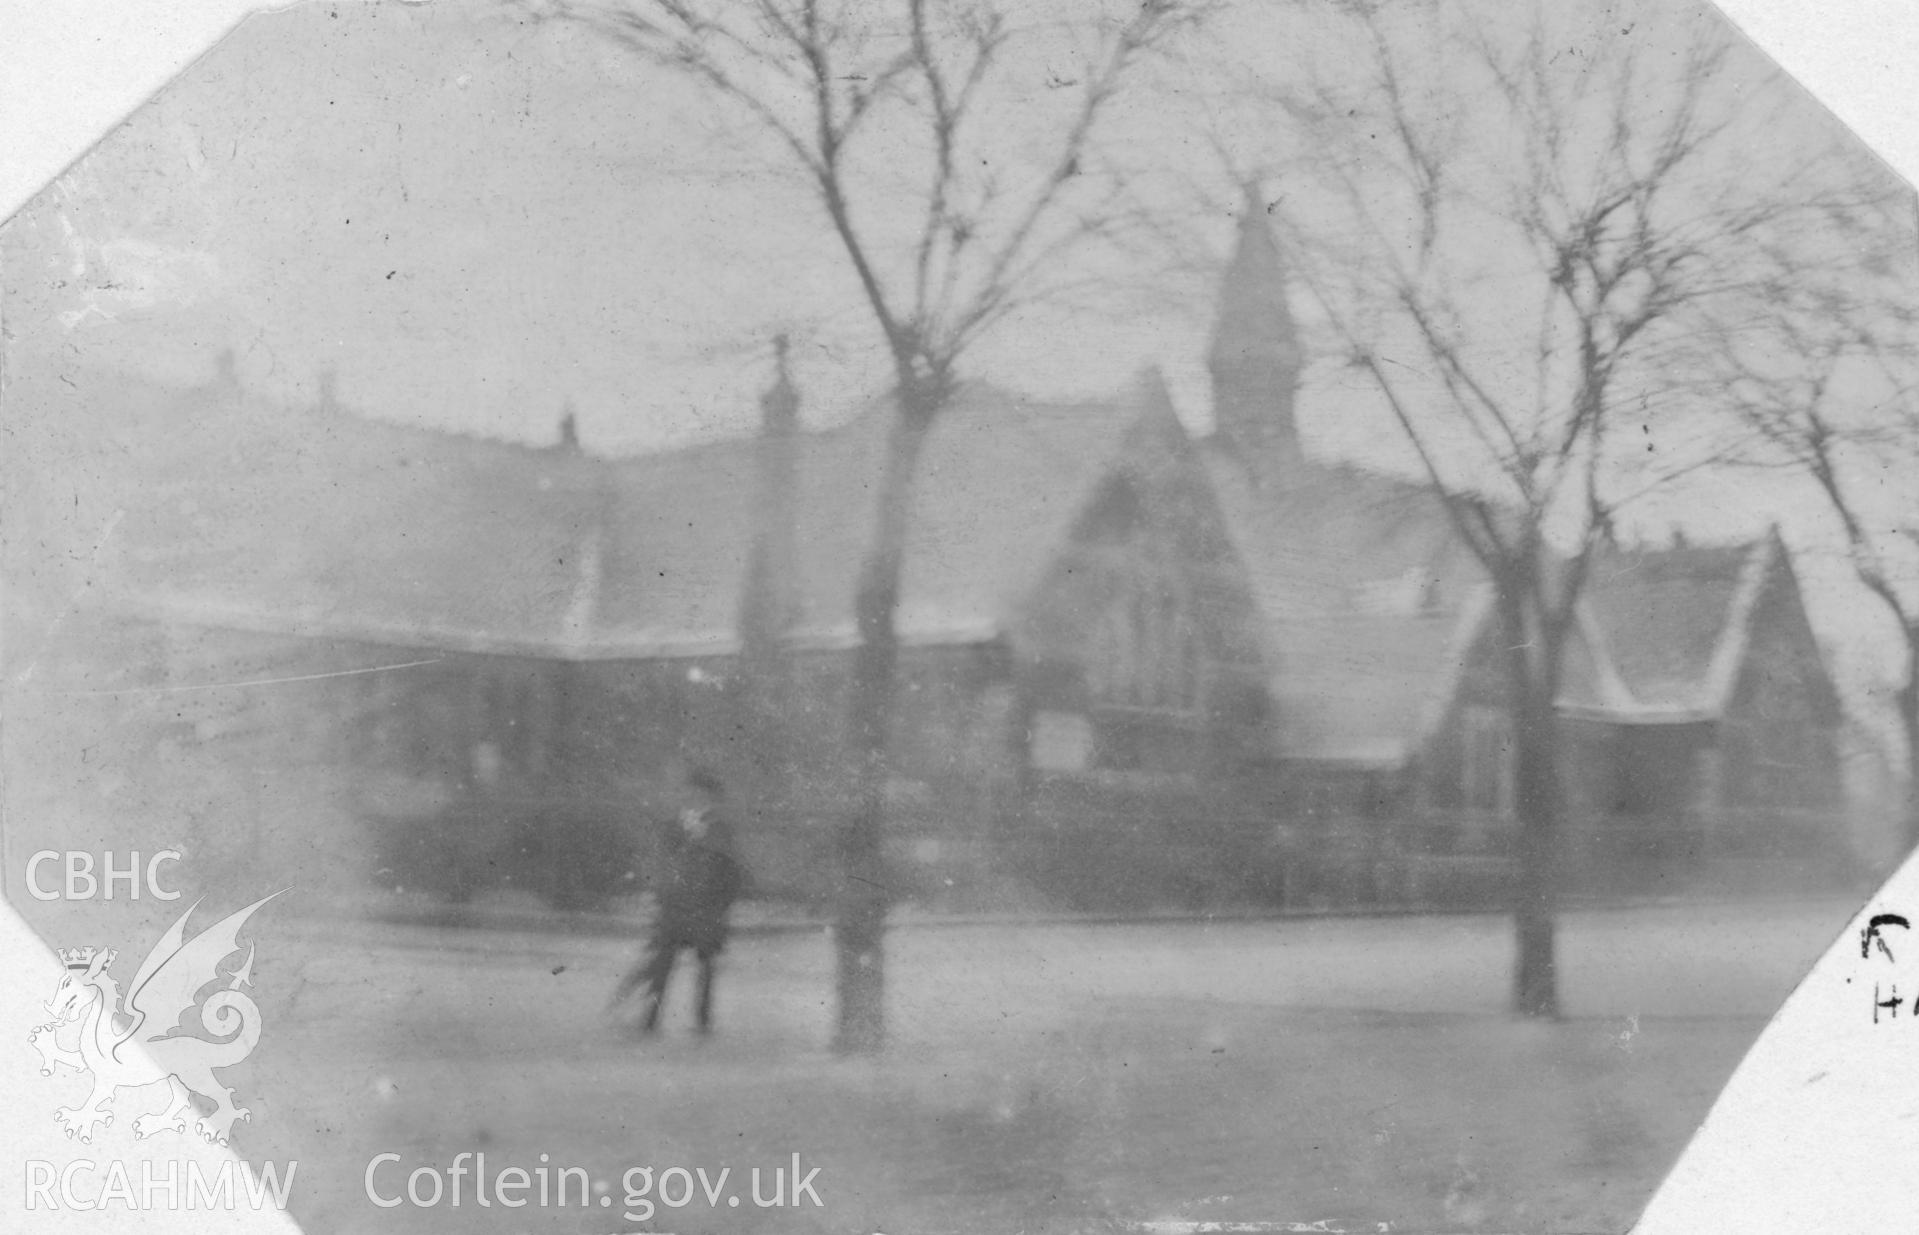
[1870, 935]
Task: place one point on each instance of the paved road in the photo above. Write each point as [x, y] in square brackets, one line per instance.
[1056, 1077]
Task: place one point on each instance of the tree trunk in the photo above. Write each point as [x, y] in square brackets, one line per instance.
[1535, 979]
[862, 894]
[1539, 806]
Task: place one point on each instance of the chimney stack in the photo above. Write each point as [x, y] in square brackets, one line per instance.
[780, 405]
[767, 609]
[769, 604]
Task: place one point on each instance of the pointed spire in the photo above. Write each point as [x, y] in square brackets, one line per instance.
[1255, 357]
[1255, 322]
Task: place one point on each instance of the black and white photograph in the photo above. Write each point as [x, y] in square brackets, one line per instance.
[942, 616]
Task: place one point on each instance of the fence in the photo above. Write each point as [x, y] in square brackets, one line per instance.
[1134, 845]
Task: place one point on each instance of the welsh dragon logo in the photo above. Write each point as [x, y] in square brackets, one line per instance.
[137, 1045]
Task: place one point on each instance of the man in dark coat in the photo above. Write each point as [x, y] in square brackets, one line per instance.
[699, 878]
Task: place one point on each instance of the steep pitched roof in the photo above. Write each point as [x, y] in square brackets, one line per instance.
[1370, 605]
[211, 506]
[231, 511]
[1000, 480]
[1676, 622]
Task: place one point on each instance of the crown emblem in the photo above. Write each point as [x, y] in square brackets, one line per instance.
[80, 958]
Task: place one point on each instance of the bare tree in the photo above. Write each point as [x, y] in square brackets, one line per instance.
[1516, 219]
[954, 153]
[1824, 386]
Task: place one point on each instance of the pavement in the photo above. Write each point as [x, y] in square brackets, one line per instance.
[631, 918]
[1062, 1076]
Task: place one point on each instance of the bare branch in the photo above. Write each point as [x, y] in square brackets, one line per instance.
[1614, 194]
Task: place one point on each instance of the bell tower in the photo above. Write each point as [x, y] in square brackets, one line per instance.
[1255, 357]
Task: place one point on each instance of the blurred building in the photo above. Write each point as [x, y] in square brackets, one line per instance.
[1138, 667]
[1700, 725]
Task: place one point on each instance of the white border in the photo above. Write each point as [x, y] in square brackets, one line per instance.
[1774, 1150]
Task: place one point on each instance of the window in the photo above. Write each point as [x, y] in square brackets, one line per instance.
[382, 735]
[1112, 669]
[1708, 779]
[1174, 653]
[1061, 742]
[1183, 655]
[1486, 767]
[1783, 771]
[508, 740]
[1144, 653]
[1411, 593]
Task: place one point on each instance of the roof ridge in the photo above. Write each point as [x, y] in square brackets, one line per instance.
[320, 413]
[870, 407]
[1723, 546]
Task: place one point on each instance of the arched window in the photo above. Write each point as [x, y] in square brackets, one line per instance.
[1144, 652]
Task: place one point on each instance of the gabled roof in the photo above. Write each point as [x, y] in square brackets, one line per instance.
[1676, 623]
[232, 511]
[999, 482]
[1370, 605]
[214, 507]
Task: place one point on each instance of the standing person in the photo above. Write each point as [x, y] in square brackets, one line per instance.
[699, 878]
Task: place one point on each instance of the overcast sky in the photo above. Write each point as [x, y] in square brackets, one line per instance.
[475, 220]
